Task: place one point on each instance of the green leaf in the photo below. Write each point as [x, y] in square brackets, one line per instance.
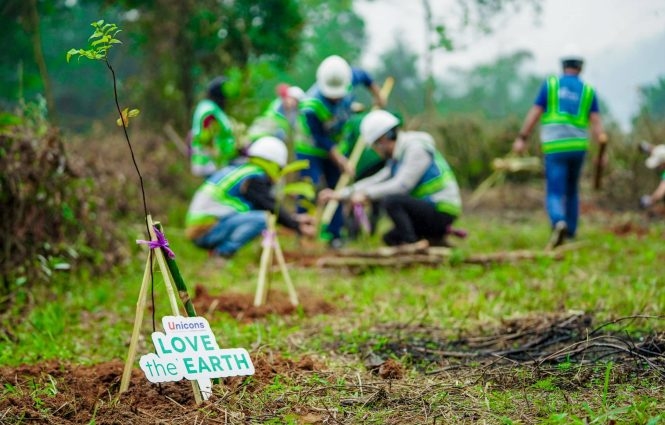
[294, 166]
[71, 53]
[305, 189]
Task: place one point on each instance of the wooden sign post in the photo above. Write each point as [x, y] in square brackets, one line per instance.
[271, 245]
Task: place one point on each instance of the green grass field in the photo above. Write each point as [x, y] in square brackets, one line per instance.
[411, 316]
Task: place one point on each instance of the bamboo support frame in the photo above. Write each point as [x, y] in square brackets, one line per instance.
[272, 249]
[140, 311]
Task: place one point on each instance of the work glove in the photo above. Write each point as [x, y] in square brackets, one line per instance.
[645, 201]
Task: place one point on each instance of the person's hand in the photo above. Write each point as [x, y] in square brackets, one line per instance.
[380, 102]
[645, 201]
[307, 229]
[327, 195]
[358, 198]
[346, 168]
[519, 145]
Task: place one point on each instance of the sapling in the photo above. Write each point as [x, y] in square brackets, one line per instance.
[100, 43]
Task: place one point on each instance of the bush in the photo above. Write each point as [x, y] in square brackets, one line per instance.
[52, 218]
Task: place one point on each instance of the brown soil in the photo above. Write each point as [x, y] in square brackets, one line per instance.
[516, 354]
[241, 306]
[73, 394]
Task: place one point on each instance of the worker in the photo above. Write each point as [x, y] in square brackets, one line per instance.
[213, 144]
[368, 164]
[324, 113]
[417, 187]
[655, 161]
[280, 119]
[566, 106]
[229, 209]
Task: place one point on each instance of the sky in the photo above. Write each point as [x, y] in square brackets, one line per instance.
[623, 41]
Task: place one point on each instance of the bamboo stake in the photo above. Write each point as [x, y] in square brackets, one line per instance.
[293, 295]
[266, 260]
[138, 319]
[164, 269]
[179, 282]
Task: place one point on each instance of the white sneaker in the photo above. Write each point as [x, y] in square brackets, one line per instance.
[558, 236]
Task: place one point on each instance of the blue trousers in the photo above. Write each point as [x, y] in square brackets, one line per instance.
[233, 232]
[562, 171]
[326, 168]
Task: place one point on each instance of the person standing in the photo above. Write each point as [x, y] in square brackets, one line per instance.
[325, 112]
[213, 144]
[655, 161]
[417, 188]
[280, 119]
[229, 208]
[566, 107]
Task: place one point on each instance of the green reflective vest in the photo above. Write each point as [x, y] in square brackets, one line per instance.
[215, 144]
[306, 145]
[221, 194]
[561, 131]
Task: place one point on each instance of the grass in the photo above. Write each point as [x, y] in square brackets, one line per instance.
[88, 319]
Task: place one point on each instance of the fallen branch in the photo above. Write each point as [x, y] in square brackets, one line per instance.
[427, 256]
[178, 141]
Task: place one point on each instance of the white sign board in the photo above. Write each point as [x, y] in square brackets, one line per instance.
[187, 349]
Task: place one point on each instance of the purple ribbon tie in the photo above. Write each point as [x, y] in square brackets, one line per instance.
[361, 217]
[268, 239]
[161, 242]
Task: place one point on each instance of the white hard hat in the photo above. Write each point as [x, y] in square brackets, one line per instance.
[657, 157]
[333, 77]
[295, 92]
[376, 124]
[269, 148]
[572, 53]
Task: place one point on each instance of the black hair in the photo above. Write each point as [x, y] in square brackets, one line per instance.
[572, 63]
[216, 91]
[392, 133]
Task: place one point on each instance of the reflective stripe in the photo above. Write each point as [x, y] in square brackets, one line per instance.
[443, 179]
[565, 145]
[316, 106]
[220, 190]
[448, 208]
[307, 149]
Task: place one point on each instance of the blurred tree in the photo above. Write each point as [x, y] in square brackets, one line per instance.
[25, 14]
[471, 19]
[332, 28]
[653, 99]
[187, 42]
[400, 63]
[496, 90]
[649, 123]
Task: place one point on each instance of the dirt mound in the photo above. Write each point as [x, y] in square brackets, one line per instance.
[70, 394]
[241, 306]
